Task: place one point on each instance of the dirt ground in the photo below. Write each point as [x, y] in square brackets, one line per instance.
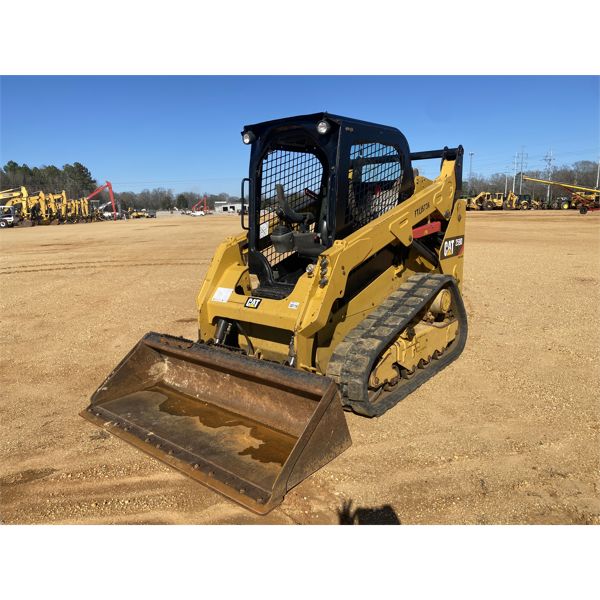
[507, 434]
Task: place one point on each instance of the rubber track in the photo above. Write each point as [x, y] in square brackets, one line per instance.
[353, 360]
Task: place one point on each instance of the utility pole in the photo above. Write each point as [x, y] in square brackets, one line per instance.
[506, 172]
[470, 169]
[598, 174]
[548, 160]
[523, 156]
[514, 174]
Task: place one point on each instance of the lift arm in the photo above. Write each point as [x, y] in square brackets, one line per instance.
[202, 202]
[106, 186]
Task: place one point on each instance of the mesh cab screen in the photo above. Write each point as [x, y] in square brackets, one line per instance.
[374, 182]
[296, 172]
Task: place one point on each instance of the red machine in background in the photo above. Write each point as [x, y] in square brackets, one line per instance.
[202, 205]
[106, 186]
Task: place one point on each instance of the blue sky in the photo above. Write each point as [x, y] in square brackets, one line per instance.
[184, 132]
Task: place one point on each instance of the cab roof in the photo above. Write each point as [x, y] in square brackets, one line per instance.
[257, 128]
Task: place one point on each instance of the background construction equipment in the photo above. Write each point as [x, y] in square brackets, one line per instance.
[583, 198]
[19, 207]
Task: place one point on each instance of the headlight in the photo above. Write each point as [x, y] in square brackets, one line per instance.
[248, 137]
[323, 127]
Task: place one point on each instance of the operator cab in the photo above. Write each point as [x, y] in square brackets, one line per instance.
[314, 179]
[8, 216]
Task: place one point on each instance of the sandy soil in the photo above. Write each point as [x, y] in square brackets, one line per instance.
[507, 434]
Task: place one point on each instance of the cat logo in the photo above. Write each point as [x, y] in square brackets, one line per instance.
[253, 302]
[453, 246]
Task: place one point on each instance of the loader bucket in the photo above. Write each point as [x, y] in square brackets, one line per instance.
[246, 428]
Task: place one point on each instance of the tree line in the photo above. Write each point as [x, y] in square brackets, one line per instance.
[166, 199]
[77, 181]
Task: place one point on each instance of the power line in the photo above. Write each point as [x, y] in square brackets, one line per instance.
[496, 161]
[555, 143]
[489, 165]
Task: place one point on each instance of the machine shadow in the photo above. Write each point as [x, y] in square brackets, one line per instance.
[380, 515]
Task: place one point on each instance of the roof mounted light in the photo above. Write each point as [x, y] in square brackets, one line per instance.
[323, 127]
[248, 137]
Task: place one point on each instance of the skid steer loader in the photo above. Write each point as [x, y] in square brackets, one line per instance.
[343, 292]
